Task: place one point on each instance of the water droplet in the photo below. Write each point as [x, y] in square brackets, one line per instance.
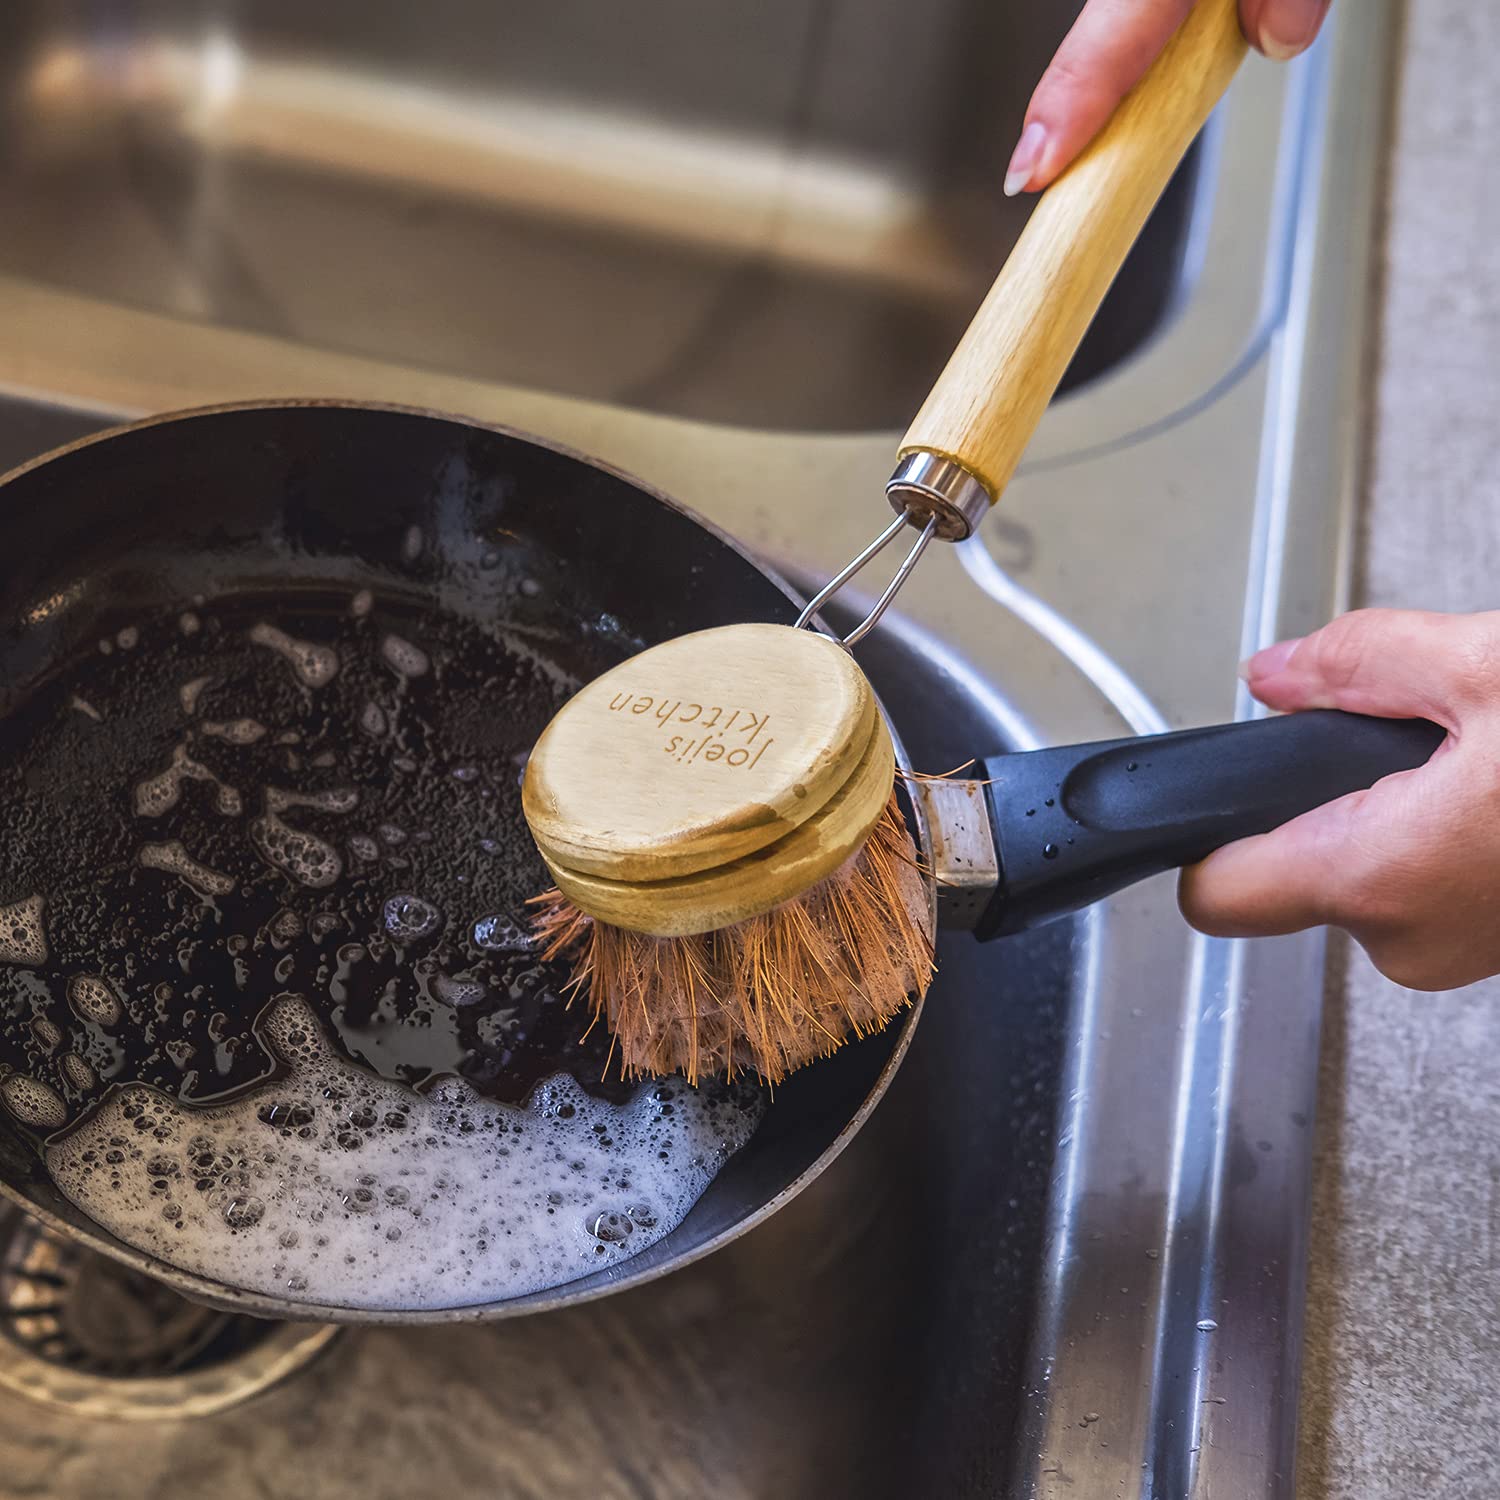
[1049, 851]
[1206, 1325]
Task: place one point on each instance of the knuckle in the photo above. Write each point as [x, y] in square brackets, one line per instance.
[1341, 648]
[1374, 881]
[1476, 657]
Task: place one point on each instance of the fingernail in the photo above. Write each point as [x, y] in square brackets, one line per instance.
[1269, 662]
[1024, 159]
[1282, 37]
[1276, 49]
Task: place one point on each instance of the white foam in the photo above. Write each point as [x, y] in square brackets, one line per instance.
[93, 998]
[33, 1103]
[403, 658]
[303, 856]
[47, 1034]
[235, 731]
[189, 693]
[334, 1187]
[314, 665]
[77, 1072]
[408, 917]
[175, 860]
[361, 604]
[161, 793]
[502, 934]
[23, 938]
[339, 799]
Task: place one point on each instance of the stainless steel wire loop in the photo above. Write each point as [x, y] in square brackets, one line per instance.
[876, 547]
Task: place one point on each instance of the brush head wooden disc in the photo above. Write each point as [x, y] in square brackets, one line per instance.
[697, 753]
[710, 900]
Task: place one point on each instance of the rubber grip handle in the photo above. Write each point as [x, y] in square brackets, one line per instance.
[1076, 823]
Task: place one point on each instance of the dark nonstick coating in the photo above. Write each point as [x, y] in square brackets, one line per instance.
[313, 494]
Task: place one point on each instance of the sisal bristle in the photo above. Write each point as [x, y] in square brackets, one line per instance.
[767, 995]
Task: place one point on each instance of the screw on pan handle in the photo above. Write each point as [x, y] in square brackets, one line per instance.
[1077, 823]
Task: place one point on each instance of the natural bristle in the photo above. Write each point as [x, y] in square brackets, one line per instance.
[767, 995]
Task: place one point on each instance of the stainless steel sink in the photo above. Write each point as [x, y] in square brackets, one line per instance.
[780, 222]
[725, 247]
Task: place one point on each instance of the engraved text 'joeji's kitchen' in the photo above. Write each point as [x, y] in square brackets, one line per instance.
[712, 734]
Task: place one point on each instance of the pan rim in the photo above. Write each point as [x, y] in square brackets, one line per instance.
[206, 1290]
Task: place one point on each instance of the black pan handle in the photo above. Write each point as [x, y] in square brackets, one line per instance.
[1073, 824]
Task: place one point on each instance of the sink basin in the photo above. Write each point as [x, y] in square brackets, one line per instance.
[782, 224]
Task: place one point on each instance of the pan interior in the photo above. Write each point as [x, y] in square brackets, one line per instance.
[182, 583]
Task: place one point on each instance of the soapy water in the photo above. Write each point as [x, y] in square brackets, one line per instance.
[338, 1188]
[327, 807]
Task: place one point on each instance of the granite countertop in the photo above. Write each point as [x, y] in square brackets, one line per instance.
[1401, 1388]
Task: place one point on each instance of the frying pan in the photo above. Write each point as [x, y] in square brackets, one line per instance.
[302, 496]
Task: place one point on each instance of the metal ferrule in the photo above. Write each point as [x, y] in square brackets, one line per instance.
[962, 856]
[926, 486]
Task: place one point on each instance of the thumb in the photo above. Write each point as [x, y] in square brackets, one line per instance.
[1393, 663]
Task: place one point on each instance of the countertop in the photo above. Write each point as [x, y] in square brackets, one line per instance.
[1401, 1388]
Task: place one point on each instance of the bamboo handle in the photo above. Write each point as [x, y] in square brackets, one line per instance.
[988, 401]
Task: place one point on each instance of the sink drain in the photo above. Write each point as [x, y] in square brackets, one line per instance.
[82, 1333]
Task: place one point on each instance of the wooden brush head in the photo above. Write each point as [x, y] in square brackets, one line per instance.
[709, 779]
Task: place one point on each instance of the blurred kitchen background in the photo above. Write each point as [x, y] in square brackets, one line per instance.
[727, 247]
